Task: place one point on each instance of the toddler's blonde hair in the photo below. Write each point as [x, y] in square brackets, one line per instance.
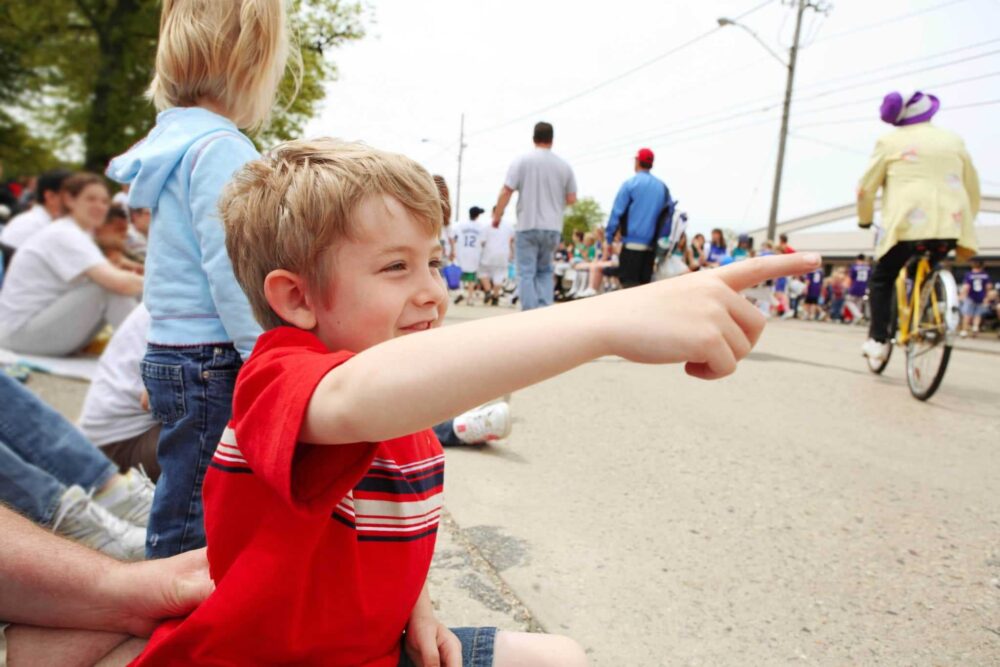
[285, 210]
[232, 52]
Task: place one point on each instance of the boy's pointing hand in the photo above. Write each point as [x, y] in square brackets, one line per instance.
[700, 318]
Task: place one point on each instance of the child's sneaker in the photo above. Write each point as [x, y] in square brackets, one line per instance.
[81, 519]
[483, 424]
[130, 497]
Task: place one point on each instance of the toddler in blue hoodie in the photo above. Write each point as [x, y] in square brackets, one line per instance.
[218, 65]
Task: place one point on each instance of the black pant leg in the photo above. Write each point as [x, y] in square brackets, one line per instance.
[881, 288]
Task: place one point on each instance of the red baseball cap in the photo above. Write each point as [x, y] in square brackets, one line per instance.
[644, 155]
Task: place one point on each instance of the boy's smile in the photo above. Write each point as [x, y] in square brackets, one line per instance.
[384, 282]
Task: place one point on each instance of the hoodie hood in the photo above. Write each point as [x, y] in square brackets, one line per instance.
[149, 163]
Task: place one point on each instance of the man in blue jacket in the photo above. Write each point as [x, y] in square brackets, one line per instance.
[642, 212]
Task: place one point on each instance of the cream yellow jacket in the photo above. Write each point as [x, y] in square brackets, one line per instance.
[930, 189]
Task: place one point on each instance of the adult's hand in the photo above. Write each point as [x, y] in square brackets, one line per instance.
[48, 581]
[142, 594]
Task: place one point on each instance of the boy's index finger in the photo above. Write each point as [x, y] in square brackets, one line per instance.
[742, 275]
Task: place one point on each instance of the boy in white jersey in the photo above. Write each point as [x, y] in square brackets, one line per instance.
[470, 237]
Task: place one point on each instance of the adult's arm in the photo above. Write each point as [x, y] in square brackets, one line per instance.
[570, 199]
[116, 280]
[49, 581]
[970, 179]
[872, 180]
[502, 201]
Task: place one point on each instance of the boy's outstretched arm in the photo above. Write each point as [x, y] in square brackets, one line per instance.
[409, 383]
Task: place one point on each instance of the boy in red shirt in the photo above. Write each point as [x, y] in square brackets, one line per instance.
[323, 498]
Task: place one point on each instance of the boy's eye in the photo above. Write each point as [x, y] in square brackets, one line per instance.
[437, 264]
[396, 266]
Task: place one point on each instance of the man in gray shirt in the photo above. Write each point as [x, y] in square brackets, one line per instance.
[546, 185]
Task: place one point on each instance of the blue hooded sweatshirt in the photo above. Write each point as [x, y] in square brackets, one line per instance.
[179, 171]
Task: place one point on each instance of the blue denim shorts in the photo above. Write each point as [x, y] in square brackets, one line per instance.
[972, 309]
[477, 647]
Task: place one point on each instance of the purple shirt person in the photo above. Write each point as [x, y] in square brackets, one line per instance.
[815, 284]
[859, 278]
[978, 282]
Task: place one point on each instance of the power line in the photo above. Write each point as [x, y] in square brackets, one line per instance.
[599, 155]
[900, 63]
[869, 100]
[868, 119]
[898, 74]
[618, 77]
[829, 144]
[892, 19]
[748, 107]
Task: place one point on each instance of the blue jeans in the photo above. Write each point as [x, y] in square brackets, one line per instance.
[534, 249]
[191, 394]
[41, 454]
[477, 647]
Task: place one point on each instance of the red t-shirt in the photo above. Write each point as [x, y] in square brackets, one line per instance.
[318, 552]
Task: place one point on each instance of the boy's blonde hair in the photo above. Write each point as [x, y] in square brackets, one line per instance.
[232, 52]
[285, 210]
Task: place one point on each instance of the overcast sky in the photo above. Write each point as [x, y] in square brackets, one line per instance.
[711, 111]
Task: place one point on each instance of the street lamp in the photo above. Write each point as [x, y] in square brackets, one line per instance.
[723, 22]
[802, 5]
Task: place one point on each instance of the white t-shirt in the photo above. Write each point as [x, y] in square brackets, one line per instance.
[469, 239]
[112, 411]
[496, 252]
[24, 225]
[45, 267]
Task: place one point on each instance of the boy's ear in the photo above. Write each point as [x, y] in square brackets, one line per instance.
[286, 294]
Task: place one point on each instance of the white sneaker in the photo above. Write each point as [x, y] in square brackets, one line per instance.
[81, 519]
[129, 498]
[483, 424]
[585, 293]
[875, 350]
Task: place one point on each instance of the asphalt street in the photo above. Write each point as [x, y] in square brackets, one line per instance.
[802, 511]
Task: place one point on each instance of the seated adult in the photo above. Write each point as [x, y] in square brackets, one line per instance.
[48, 207]
[52, 475]
[60, 290]
[72, 606]
[138, 233]
[111, 238]
[115, 417]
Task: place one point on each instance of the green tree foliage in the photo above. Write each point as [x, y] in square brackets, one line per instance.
[585, 215]
[80, 68]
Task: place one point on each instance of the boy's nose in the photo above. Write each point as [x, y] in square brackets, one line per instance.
[432, 289]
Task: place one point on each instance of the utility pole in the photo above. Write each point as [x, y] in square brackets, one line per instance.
[801, 6]
[458, 181]
[772, 222]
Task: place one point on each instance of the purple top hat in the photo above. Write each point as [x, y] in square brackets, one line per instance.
[920, 108]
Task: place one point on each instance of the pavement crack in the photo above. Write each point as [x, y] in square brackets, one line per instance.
[484, 567]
